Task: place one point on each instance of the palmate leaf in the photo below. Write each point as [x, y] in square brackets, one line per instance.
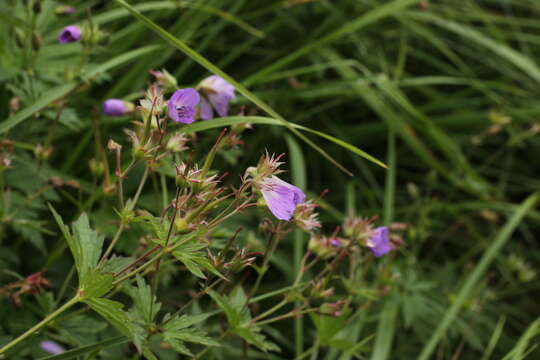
[146, 306]
[195, 259]
[111, 311]
[85, 245]
[239, 319]
[178, 330]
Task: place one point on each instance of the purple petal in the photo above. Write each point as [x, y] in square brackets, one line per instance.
[114, 107]
[281, 197]
[69, 34]
[182, 104]
[379, 242]
[219, 93]
[187, 97]
[206, 110]
[51, 347]
[220, 103]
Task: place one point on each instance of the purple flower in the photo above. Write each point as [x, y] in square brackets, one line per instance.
[281, 197]
[182, 105]
[379, 241]
[115, 107]
[51, 347]
[69, 10]
[217, 94]
[70, 34]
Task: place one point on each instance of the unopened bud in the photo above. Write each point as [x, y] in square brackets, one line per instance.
[37, 40]
[96, 167]
[64, 10]
[113, 145]
[165, 80]
[41, 152]
[14, 104]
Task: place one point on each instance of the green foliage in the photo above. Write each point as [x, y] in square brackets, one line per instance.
[239, 319]
[193, 256]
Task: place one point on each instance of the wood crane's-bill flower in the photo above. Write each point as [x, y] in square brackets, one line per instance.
[70, 34]
[281, 197]
[379, 241]
[182, 105]
[217, 93]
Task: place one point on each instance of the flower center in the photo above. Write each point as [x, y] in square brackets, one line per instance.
[182, 111]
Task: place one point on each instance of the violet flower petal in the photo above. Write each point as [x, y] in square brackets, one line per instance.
[51, 347]
[379, 242]
[206, 110]
[69, 34]
[114, 107]
[281, 197]
[182, 104]
[219, 93]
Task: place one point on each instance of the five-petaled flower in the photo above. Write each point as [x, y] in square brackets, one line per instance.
[217, 93]
[379, 241]
[182, 105]
[115, 107]
[281, 197]
[69, 34]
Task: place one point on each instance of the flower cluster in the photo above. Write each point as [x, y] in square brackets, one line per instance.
[211, 96]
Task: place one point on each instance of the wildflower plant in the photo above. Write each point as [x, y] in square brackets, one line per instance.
[183, 234]
[150, 214]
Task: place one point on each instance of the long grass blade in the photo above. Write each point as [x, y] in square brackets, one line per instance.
[355, 25]
[228, 121]
[472, 280]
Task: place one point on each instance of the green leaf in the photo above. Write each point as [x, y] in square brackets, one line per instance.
[328, 326]
[116, 263]
[145, 305]
[95, 284]
[111, 311]
[191, 254]
[86, 247]
[235, 308]
[178, 330]
[83, 350]
[179, 323]
[253, 335]
[522, 349]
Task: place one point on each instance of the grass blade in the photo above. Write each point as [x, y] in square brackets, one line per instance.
[227, 121]
[471, 281]
[355, 25]
[298, 172]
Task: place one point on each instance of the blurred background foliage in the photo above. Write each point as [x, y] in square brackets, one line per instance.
[445, 92]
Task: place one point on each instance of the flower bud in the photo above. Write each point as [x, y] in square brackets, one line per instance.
[96, 167]
[70, 34]
[117, 107]
[41, 152]
[165, 80]
[37, 40]
[64, 10]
